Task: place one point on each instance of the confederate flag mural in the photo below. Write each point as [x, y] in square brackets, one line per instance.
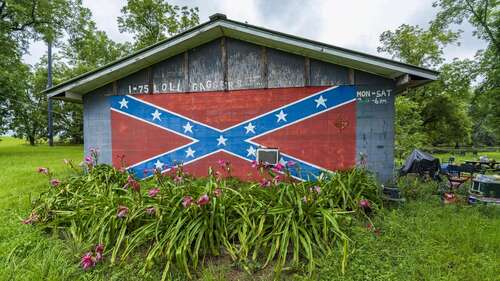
[312, 126]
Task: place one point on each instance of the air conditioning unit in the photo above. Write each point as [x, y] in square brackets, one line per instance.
[269, 156]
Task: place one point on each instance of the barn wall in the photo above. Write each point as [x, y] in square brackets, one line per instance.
[251, 66]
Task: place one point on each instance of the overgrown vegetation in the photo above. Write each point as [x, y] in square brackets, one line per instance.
[421, 240]
[180, 221]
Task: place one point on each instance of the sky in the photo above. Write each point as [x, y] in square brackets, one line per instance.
[352, 24]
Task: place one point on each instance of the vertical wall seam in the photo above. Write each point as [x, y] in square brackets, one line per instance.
[224, 64]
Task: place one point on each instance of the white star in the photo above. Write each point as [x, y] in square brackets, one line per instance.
[221, 140]
[188, 128]
[251, 151]
[159, 165]
[282, 161]
[123, 103]
[320, 101]
[281, 116]
[250, 128]
[156, 115]
[190, 152]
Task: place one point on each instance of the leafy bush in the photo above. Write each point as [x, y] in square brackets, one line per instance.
[178, 220]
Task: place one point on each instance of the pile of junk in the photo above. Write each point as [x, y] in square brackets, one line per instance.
[482, 175]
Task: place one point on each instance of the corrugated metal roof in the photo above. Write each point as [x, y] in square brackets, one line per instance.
[220, 26]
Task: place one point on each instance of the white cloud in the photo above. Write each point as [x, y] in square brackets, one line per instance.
[353, 24]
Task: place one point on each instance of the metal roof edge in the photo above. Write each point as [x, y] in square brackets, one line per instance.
[298, 38]
[257, 31]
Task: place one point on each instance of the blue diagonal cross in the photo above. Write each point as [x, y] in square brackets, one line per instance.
[235, 140]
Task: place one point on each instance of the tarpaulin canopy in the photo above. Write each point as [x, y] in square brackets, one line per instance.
[420, 162]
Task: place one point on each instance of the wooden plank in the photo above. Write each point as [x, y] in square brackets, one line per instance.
[307, 71]
[150, 79]
[224, 63]
[186, 71]
[351, 76]
[265, 69]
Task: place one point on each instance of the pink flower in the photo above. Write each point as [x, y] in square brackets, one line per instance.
[99, 249]
[177, 179]
[151, 211]
[152, 192]
[316, 189]
[43, 170]
[187, 201]
[87, 261]
[89, 160]
[277, 179]
[278, 167]
[265, 183]
[255, 164]
[304, 199]
[218, 192]
[290, 163]
[223, 163]
[55, 182]
[364, 203]
[132, 183]
[94, 150]
[122, 211]
[203, 200]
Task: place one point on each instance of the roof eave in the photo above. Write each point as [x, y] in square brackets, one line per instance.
[223, 27]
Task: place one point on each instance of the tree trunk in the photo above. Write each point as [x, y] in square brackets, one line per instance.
[31, 139]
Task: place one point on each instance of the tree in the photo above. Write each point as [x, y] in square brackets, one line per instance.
[482, 14]
[20, 22]
[28, 110]
[154, 20]
[86, 48]
[442, 106]
[417, 46]
[408, 127]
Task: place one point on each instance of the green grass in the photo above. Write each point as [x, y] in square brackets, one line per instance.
[422, 240]
[459, 159]
[468, 156]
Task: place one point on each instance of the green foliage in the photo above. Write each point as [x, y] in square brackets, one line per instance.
[288, 223]
[417, 46]
[22, 21]
[441, 109]
[482, 14]
[409, 130]
[154, 20]
[423, 240]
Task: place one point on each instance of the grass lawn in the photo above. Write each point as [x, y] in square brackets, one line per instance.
[422, 240]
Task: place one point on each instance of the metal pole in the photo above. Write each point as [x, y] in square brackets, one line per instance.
[49, 100]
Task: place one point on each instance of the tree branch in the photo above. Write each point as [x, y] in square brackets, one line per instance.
[484, 24]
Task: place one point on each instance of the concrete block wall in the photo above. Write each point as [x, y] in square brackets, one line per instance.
[97, 123]
[230, 64]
